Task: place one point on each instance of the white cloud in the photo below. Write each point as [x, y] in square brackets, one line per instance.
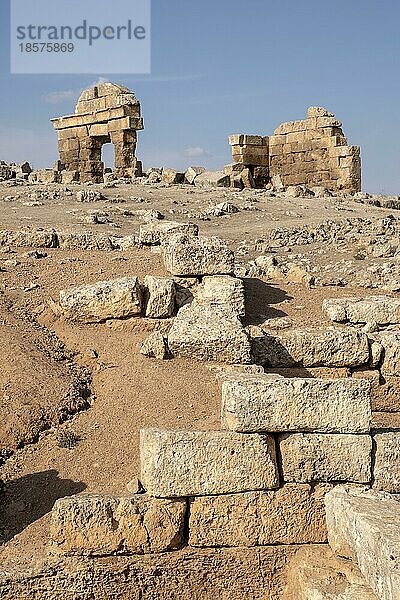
[60, 96]
[197, 152]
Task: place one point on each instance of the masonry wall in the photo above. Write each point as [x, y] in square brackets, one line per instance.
[106, 113]
[312, 152]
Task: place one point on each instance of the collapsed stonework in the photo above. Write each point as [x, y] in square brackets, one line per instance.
[302, 412]
[104, 113]
[312, 152]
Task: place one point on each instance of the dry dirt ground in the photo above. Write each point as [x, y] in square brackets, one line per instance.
[129, 391]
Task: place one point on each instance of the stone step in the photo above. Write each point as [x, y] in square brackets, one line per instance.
[195, 463]
[294, 514]
[270, 403]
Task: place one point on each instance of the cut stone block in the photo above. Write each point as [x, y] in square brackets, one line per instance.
[114, 299]
[224, 292]
[313, 347]
[315, 573]
[161, 297]
[387, 462]
[190, 256]
[156, 232]
[382, 310]
[210, 179]
[105, 524]
[294, 514]
[390, 342]
[326, 457]
[386, 397]
[154, 346]
[192, 173]
[196, 463]
[171, 176]
[269, 403]
[208, 333]
[364, 526]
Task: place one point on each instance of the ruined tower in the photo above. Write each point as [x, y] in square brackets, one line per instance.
[104, 113]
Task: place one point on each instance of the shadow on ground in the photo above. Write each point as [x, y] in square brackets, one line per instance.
[29, 498]
[260, 298]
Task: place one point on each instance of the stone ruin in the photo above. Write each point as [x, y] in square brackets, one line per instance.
[104, 113]
[311, 152]
[293, 496]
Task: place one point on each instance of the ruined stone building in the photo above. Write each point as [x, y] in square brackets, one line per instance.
[311, 152]
[104, 113]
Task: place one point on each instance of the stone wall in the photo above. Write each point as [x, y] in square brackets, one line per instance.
[312, 152]
[104, 113]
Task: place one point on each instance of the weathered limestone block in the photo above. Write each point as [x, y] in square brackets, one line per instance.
[386, 397]
[386, 473]
[190, 256]
[83, 240]
[195, 463]
[365, 526]
[315, 573]
[172, 176]
[161, 296]
[385, 421]
[271, 403]
[155, 346]
[156, 232]
[105, 524]
[210, 179]
[294, 514]
[326, 457]
[382, 310]
[39, 238]
[313, 347]
[192, 173]
[114, 299]
[390, 341]
[187, 574]
[208, 333]
[224, 292]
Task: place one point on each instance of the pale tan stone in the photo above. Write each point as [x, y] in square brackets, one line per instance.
[190, 256]
[187, 574]
[382, 310]
[114, 299]
[106, 524]
[363, 525]
[315, 573]
[387, 462]
[211, 179]
[390, 342]
[294, 514]
[314, 347]
[326, 457]
[160, 296]
[156, 232]
[208, 333]
[154, 346]
[268, 403]
[192, 463]
[222, 291]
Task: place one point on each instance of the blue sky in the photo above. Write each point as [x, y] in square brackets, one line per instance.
[229, 66]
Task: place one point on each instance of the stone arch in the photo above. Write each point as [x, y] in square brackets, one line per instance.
[104, 113]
